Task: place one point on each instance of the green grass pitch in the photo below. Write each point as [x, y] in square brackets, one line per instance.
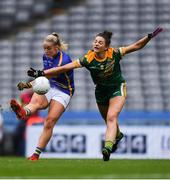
[13, 167]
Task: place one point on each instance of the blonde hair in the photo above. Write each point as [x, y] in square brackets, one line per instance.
[56, 40]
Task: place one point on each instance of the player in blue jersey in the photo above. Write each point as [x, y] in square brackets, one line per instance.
[57, 98]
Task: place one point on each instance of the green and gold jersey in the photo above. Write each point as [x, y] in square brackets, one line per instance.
[107, 71]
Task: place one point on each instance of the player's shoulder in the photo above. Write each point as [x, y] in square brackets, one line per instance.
[113, 50]
[90, 55]
[116, 51]
[65, 55]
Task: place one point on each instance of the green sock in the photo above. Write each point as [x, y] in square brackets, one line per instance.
[109, 145]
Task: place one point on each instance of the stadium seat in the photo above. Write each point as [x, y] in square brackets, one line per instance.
[147, 72]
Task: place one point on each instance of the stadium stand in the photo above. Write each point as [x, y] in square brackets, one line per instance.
[146, 72]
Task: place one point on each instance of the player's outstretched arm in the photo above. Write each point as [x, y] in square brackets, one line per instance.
[53, 71]
[142, 42]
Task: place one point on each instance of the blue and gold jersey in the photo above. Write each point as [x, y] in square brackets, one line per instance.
[63, 81]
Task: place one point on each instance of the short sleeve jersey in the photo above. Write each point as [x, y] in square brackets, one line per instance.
[63, 81]
[107, 71]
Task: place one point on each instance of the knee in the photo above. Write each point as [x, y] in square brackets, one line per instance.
[112, 117]
[40, 105]
[38, 102]
[49, 123]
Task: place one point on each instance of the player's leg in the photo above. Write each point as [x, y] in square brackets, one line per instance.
[55, 111]
[118, 139]
[109, 146]
[102, 98]
[103, 109]
[119, 91]
[18, 109]
[115, 107]
[37, 102]
[57, 106]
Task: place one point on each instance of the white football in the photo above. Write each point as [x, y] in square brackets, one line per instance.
[41, 85]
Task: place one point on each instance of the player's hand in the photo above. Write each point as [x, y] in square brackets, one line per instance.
[35, 73]
[21, 85]
[155, 33]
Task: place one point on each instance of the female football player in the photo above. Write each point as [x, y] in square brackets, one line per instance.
[57, 98]
[103, 63]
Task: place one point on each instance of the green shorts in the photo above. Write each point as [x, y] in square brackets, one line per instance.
[103, 93]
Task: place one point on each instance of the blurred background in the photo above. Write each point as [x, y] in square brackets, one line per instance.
[25, 23]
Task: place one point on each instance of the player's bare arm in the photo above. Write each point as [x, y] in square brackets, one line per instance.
[61, 69]
[137, 45]
[142, 42]
[53, 71]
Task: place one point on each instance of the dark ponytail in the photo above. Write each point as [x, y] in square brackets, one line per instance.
[107, 36]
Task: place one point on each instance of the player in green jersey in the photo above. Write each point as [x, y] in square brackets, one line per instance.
[103, 63]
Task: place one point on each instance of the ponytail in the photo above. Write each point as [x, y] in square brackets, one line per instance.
[56, 40]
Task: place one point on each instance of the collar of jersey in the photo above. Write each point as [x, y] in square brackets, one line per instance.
[91, 55]
[98, 59]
